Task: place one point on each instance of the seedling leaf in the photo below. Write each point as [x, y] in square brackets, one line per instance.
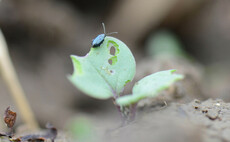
[150, 86]
[82, 130]
[101, 74]
[165, 44]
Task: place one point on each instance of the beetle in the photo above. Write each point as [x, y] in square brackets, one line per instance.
[100, 38]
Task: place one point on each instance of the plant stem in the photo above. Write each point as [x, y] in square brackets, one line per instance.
[133, 110]
[127, 113]
[10, 77]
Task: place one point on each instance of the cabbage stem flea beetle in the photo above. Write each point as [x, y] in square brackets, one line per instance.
[100, 38]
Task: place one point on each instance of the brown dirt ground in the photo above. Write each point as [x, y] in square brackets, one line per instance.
[207, 121]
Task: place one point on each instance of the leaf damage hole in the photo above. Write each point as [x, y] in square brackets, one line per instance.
[111, 71]
[110, 61]
[112, 50]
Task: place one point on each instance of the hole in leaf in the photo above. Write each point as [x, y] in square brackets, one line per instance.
[111, 71]
[110, 61]
[112, 50]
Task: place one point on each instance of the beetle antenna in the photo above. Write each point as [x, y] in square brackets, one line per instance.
[112, 33]
[103, 25]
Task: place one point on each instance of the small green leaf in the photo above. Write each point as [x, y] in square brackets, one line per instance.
[82, 130]
[165, 44]
[150, 86]
[101, 74]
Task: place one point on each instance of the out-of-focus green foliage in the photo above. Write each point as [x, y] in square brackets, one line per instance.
[165, 44]
[82, 130]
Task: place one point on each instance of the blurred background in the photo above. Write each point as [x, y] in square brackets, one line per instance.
[42, 34]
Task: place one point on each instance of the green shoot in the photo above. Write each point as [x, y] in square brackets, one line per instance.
[82, 130]
[103, 74]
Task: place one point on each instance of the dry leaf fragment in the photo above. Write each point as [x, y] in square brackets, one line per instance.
[32, 138]
[3, 135]
[50, 134]
[10, 117]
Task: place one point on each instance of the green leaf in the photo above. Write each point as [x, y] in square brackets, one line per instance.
[150, 86]
[82, 130]
[165, 44]
[102, 74]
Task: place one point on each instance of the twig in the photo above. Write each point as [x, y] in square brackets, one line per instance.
[10, 77]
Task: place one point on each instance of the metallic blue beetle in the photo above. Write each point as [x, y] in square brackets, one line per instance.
[100, 38]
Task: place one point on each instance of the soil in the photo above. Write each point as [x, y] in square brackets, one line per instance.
[207, 121]
[197, 121]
